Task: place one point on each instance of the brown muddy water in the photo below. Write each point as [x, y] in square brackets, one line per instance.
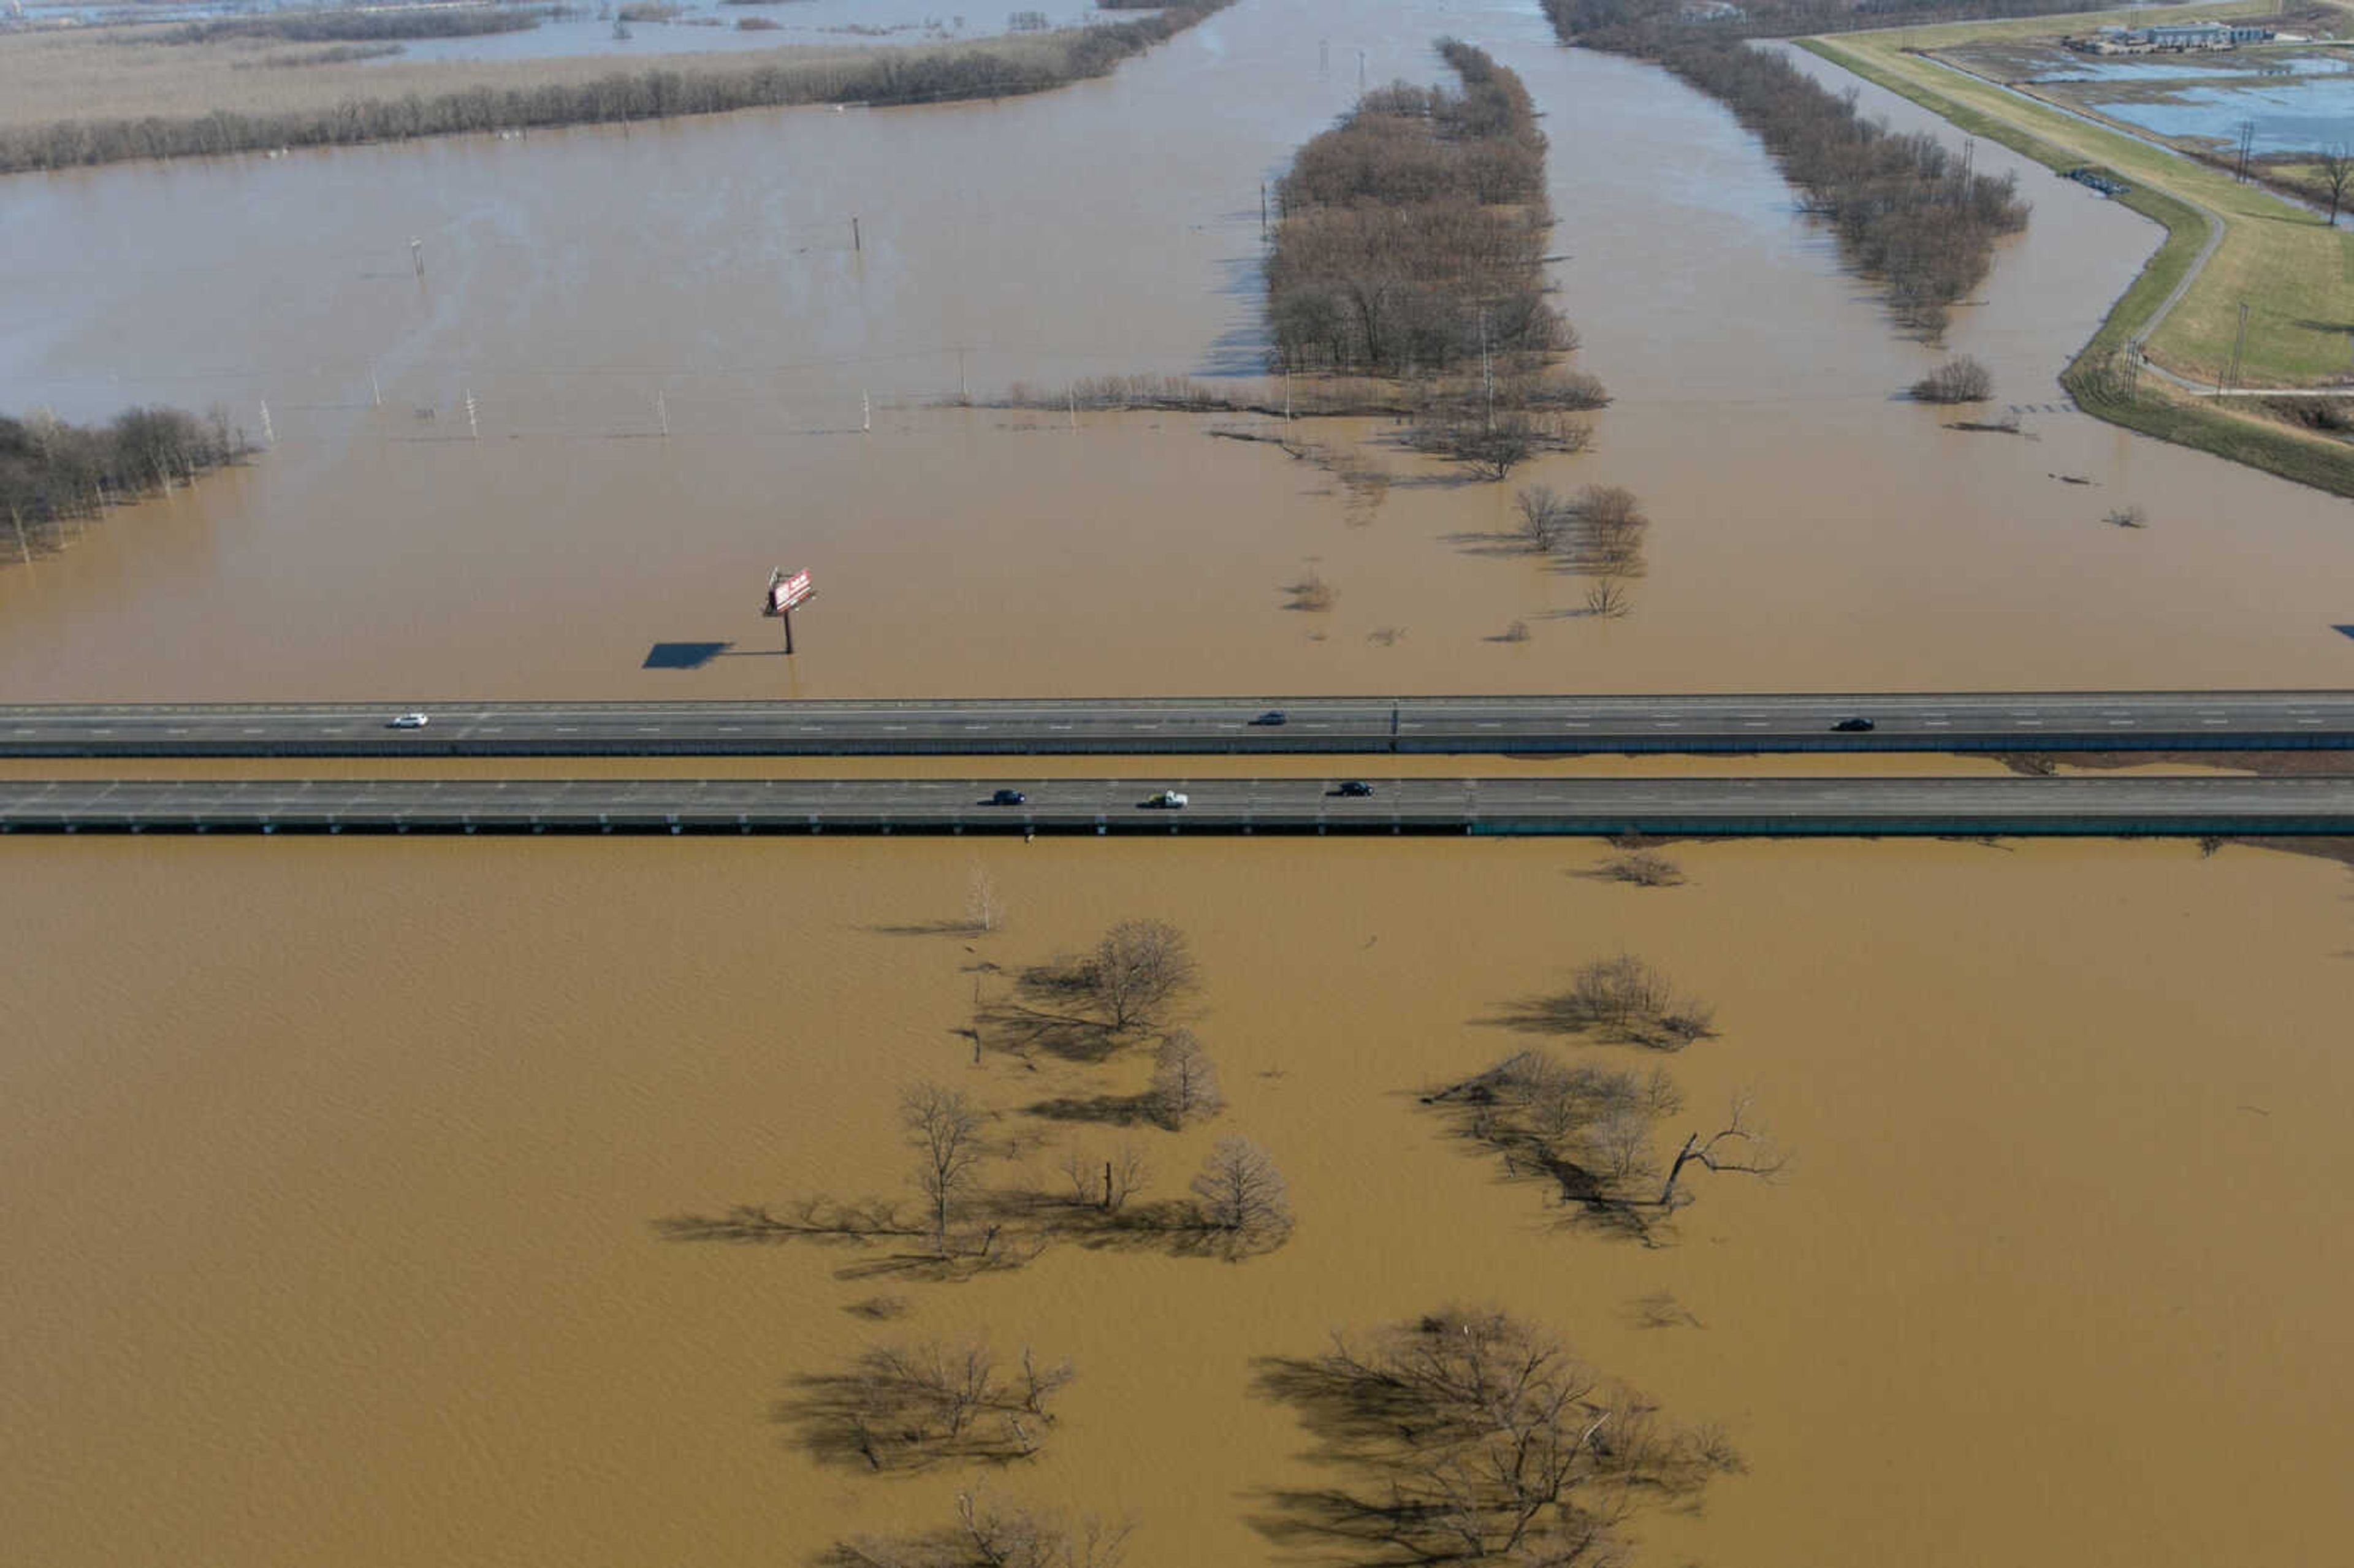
[330, 1169]
[1811, 529]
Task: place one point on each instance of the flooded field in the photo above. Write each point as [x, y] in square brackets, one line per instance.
[2299, 100]
[704, 28]
[334, 1241]
[333, 1167]
[1811, 528]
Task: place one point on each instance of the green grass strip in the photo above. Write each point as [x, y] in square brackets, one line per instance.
[2240, 440]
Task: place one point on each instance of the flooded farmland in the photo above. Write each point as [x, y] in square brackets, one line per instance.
[335, 1240]
[1811, 529]
[333, 1168]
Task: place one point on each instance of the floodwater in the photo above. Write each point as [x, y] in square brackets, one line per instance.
[1811, 529]
[331, 1169]
[708, 28]
[2291, 114]
[331, 1166]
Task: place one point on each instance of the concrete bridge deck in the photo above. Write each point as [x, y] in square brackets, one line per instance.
[1663, 807]
[1954, 722]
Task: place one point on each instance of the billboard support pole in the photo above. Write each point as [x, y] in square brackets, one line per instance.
[788, 633]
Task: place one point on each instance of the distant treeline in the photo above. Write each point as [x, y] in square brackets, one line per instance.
[1905, 210]
[52, 473]
[354, 26]
[338, 54]
[1623, 25]
[1412, 234]
[883, 78]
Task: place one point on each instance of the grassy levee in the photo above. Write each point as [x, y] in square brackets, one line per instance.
[2259, 264]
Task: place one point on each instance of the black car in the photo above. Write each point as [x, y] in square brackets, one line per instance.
[1273, 715]
[1008, 798]
[1355, 787]
[1853, 725]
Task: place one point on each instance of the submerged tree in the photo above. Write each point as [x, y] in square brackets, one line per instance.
[1241, 1196]
[1184, 1080]
[1138, 972]
[1471, 1436]
[900, 1407]
[991, 1534]
[1592, 1131]
[943, 1128]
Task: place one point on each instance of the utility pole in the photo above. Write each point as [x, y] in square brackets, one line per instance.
[866, 418]
[855, 245]
[662, 408]
[1486, 372]
[1262, 209]
[1361, 70]
[417, 254]
[2239, 342]
[964, 388]
[473, 426]
[376, 392]
[18, 519]
[268, 436]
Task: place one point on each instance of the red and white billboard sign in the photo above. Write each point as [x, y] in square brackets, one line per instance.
[785, 591]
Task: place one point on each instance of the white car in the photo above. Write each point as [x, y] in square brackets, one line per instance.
[1167, 801]
[411, 721]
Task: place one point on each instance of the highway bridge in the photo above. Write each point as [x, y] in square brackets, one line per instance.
[2222, 806]
[1952, 721]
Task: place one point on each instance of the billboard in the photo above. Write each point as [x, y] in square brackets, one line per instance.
[785, 591]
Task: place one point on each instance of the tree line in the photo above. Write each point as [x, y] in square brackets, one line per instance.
[885, 76]
[1905, 209]
[1595, 21]
[53, 473]
[1412, 234]
[350, 26]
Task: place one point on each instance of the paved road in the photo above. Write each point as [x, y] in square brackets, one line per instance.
[1952, 721]
[1658, 806]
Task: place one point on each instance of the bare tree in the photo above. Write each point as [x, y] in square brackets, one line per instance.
[1958, 380]
[1544, 516]
[1607, 598]
[1311, 592]
[1491, 448]
[1611, 528]
[944, 1130]
[1106, 1181]
[984, 910]
[2337, 174]
[1630, 998]
[1588, 1130]
[1138, 970]
[1184, 1080]
[903, 1406]
[990, 1534]
[1644, 868]
[1040, 1382]
[1241, 1194]
[1735, 1146]
[1472, 1436]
